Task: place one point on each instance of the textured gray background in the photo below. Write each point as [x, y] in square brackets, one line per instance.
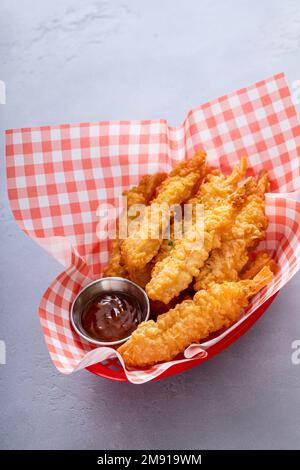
[70, 61]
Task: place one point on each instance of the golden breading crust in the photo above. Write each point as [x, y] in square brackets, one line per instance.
[218, 187]
[144, 242]
[141, 194]
[248, 229]
[176, 271]
[223, 264]
[191, 321]
[215, 188]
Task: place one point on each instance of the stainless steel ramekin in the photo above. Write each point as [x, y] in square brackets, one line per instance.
[106, 285]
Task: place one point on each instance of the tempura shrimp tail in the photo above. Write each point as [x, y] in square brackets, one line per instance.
[262, 259]
[263, 182]
[238, 172]
[263, 278]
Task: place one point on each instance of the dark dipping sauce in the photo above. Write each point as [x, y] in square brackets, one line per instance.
[111, 317]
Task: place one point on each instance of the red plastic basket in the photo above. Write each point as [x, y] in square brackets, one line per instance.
[112, 369]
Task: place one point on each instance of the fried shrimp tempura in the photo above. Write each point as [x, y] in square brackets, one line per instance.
[176, 271]
[218, 187]
[248, 229]
[191, 321]
[145, 191]
[262, 259]
[144, 242]
[223, 264]
[212, 191]
[141, 194]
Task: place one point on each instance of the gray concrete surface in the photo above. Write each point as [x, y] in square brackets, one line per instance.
[70, 61]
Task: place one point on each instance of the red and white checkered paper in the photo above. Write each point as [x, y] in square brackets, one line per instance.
[58, 176]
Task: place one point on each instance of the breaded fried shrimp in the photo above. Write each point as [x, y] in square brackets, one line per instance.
[191, 321]
[249, 227]
[175, 272]
[141, 194]
[144, 242]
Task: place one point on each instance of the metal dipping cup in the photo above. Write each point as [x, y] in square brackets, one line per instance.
[106, 285]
